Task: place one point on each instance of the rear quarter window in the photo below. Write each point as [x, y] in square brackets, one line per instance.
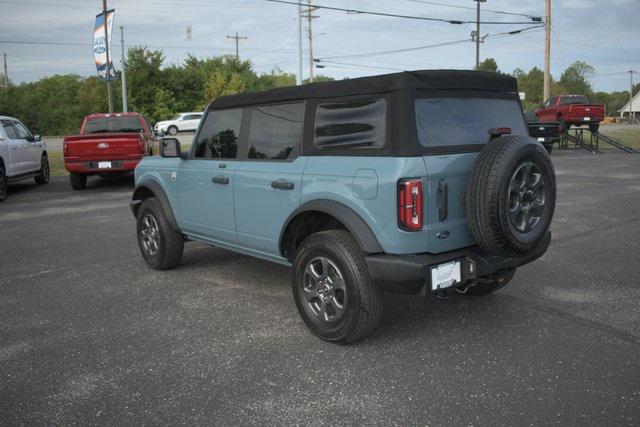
[353, 125]
[465, 121]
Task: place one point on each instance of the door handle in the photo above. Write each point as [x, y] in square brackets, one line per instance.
[282, 185]
[222, 180]
[444, 193]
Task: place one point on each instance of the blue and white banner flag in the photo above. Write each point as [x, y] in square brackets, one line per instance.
[100, 45]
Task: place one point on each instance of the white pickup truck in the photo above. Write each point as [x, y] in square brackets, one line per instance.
[22, 155]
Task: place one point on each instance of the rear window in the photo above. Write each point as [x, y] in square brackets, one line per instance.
[465, 121]
[113, 124]
[570, 100]
[351, 124]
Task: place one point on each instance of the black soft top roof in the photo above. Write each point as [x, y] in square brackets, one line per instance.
[423, 79]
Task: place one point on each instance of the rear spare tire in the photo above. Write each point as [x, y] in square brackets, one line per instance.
[511, 195]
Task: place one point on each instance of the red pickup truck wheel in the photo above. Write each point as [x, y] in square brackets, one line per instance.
[78, 181]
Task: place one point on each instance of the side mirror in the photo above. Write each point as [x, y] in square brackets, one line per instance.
[170, 147]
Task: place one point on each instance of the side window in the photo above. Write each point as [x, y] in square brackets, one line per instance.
[218, 137]
[193, 117]
[351, 124]
[21, 131]
[8, 129]
[275, 130]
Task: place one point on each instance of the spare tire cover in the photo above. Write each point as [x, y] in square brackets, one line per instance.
[511, 195]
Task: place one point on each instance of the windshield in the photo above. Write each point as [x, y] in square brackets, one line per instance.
[113, 124]
[571, 100]
[465, 121]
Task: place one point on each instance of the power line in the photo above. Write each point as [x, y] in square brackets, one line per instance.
[46, 43]
[430, 46]
[498, 12]
[393, 15]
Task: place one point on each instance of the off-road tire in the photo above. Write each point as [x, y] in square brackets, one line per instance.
[594, 127]
[489, 284]
[488, 196]
[3, 183]
[78, 181]
[363, 304]
[172, 130]
[170, 241]
[43, 176]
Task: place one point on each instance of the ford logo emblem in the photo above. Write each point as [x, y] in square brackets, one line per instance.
[100, 49]
[103, 146]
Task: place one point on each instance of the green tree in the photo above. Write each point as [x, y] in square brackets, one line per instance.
[488, 64]
[575, 79]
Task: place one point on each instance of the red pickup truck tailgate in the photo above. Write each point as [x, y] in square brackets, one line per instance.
[580, 111]
[106, 146]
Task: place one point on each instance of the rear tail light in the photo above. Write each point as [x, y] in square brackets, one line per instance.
[65, 149]
[142, 145]
[410, 196]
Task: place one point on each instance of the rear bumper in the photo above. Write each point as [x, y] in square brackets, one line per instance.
[91, 166]
[577, 119]
[408, 274]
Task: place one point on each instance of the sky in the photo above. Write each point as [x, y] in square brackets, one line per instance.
[602, 33]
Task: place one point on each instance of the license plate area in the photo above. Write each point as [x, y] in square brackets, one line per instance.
[104, 165]
[445, 275]
[540, 139]
[586, 119]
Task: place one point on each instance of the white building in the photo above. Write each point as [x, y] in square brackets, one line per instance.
[635, 108]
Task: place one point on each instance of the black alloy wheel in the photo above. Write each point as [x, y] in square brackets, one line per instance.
[527, 197]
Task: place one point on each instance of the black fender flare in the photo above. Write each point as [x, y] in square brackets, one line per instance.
[158, 193]
[351, 220]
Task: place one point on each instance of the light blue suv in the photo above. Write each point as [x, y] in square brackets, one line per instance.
[420, 182]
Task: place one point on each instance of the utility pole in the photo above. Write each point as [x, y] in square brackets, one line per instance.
[630, 97]
[478, 32]
[310, 17]
[547, 51]
[237, 39]
[123, 74]
[106, 45]
[6, 72]
[299, 76]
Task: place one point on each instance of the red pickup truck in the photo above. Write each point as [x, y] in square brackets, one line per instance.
[570, 110]
[107, 144]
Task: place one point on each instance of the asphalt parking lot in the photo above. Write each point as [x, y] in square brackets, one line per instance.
[90, 335]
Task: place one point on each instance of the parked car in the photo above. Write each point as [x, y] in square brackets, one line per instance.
[181, 123]
[107, 144]
[571, 110]
[418, 183]
[22, 155]
[546, 133]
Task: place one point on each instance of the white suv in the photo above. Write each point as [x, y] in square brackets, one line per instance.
[22, 155]
[182, 122]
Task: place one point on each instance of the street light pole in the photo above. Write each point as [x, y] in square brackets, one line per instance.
[106, 45]
[299, 76]
[547, 52]
[123, 75]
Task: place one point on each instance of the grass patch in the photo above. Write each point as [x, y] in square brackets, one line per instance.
[56, 163]
[629, 136]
